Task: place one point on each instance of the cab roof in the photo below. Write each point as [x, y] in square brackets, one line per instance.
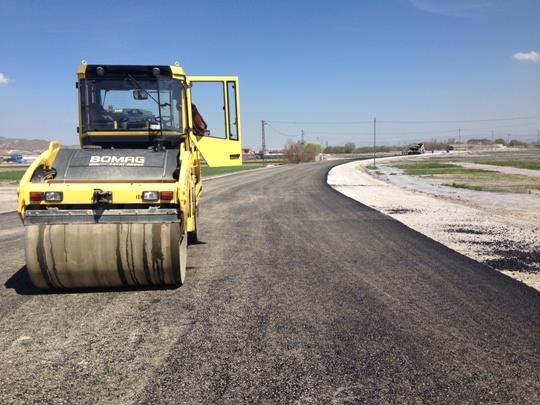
[110, 71]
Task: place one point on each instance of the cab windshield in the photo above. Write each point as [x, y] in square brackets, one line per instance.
[131, 104]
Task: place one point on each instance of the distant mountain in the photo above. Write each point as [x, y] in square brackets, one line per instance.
[25, 146]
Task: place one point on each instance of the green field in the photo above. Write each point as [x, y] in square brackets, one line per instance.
[452, 175]
[496, 182]
[11, 176]
[526, 159]
[212, 171]
[521, 164]
[431, 168]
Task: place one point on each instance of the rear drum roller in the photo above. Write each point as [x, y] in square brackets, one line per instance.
[192, 235]
[105, 255]
[183, 257]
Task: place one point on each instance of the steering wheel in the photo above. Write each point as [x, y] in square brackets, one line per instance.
[165, 120]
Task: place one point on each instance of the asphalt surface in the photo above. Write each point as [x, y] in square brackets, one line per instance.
[294, 294]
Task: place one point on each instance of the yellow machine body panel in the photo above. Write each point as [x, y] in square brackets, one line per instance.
[223, 145]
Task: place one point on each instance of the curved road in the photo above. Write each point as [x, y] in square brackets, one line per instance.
[295, 294]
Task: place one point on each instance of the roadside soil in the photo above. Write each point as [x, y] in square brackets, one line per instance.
[8, 198]
[501, 230]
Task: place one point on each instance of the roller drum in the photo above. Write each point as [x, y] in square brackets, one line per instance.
[105, 255]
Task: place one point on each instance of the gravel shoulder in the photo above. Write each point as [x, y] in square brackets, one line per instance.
[498, 229]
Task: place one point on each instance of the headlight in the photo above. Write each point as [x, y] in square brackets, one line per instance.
[53, 196]
[150, 195]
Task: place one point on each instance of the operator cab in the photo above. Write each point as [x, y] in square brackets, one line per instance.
[159, 107]
[131, 106]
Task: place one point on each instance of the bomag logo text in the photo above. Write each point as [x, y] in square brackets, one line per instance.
[107, 160]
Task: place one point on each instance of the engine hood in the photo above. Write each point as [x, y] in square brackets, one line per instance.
[115, 165]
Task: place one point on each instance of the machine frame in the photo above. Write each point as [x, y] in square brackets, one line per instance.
[78, 202]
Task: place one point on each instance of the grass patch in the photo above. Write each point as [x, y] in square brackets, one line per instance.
[449, 174]
[520, 164]
[499, 188]
[212, 171]
[466, 186]
[431, 168]
[14, 175]
[493, 181]
[529, 159]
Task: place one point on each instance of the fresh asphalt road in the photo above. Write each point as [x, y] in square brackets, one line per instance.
[294, 294]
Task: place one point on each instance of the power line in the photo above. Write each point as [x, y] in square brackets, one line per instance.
[406, 121]
[461, 121]
[425, 131]
[400, 135]
[322, 122]
[279, 132]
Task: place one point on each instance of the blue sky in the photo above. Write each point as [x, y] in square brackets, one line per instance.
[301, 61]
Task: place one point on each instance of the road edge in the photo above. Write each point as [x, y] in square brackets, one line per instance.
[419, 231]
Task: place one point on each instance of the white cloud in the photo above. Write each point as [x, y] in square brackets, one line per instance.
[531, 56]
[453, 8]
[3, 79]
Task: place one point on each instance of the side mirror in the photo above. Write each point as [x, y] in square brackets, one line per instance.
[140, 95]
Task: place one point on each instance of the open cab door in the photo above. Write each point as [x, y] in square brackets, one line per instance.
[214, 116]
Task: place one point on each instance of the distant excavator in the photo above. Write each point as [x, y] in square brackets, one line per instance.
[120, 210]
[416, 149]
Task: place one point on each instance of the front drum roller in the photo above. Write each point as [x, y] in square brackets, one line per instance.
[105, 255]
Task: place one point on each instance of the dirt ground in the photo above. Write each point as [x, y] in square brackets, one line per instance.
[8, 198]
[501, 230]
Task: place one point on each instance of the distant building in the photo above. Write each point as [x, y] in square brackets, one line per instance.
[474, 147]
[249, 154]
[273, 155]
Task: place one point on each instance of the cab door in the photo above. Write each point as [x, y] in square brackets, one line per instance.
[216, 99]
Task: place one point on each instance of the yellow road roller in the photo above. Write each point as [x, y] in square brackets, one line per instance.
[121, 209]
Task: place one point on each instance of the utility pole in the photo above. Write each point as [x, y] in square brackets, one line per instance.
[374, 141]
[538, 137]
[302, 137]
[459, 135]
[263, 123]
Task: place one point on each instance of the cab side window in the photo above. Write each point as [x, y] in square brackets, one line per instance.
[209, 101]
[233, 116]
